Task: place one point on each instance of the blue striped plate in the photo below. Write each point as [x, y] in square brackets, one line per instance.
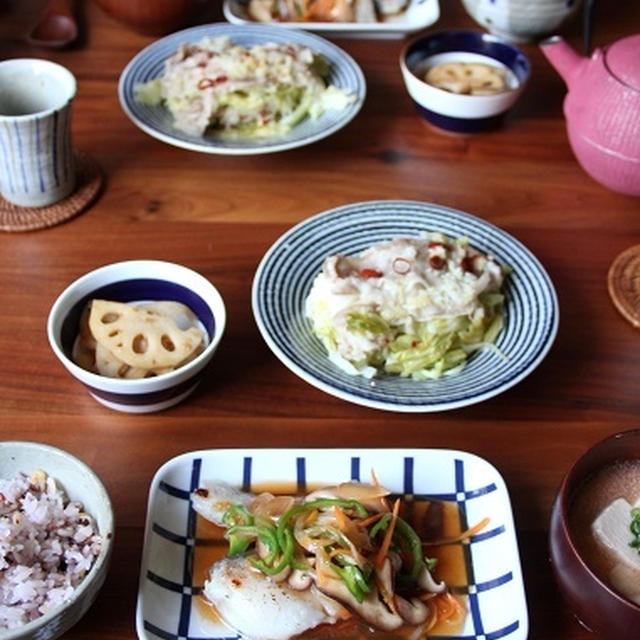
[171, 575]
[157, 121]
[286, 273]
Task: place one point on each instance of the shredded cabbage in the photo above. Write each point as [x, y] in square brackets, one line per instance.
[422, 320]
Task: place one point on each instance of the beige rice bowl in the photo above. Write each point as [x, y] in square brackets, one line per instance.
[49, 543]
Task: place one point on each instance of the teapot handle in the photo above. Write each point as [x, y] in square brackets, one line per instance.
[587, 21]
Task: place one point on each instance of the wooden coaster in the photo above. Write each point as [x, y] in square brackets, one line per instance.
[89, 180]
[623, 282]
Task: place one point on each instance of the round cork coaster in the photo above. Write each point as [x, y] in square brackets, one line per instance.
[89, 180]
[623, 282]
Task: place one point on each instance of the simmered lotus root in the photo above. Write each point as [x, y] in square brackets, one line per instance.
[469, 78]
[141, 337]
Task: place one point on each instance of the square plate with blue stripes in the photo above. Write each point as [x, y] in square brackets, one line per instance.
[493, 591]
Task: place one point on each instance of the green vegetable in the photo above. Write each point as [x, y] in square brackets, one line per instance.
[363, 322]
[237, 514]
[635, 528]
[405, 533]
[320, 503]
[355, 580]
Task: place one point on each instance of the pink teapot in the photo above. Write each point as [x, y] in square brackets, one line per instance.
[602, 109]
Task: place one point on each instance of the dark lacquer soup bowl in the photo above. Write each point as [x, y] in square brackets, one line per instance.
[582, 566]
[139, 281]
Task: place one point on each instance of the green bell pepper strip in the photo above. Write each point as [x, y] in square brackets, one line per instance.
[354, 580]
[415, 546]
[406, 531]
[381, 525]
[285, 561]
[237, 514]
[320, 503]
[242, 536]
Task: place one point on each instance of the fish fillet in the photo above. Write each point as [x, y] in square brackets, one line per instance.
[258, 608]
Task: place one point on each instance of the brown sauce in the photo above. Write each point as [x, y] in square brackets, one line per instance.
[431, 520]
[617, 480]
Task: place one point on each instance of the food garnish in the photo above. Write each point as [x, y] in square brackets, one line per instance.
[417, 307]
[227, 89]
[635, 528]
[345, 547]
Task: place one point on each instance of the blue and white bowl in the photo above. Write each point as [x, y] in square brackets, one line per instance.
[137, 281]
[287, 271]
[522, 20]
[455, 112]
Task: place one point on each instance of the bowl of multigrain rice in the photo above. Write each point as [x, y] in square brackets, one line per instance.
[56, 537]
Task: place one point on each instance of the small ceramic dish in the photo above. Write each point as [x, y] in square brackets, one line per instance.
[462, 113]
[418, 15]
[80, 484]
[138, 281]
[578, 565]
[178, 544]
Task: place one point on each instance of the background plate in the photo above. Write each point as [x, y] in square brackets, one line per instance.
[166, 600]
[419, 15]
[157, 121]
[286, 273]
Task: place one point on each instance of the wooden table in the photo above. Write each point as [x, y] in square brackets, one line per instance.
[218, 215]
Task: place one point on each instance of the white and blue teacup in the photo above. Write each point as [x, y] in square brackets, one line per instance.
[37, 166]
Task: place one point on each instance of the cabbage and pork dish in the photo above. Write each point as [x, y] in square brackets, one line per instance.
[417, 307]
[221, 88]
[341, 555]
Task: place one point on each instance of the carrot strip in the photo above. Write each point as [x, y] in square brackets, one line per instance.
[370, 520]
[463, 536]
[386, 543]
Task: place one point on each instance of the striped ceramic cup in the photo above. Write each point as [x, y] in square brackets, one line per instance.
[36, 158]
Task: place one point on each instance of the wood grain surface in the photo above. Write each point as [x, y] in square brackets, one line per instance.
[218, 215]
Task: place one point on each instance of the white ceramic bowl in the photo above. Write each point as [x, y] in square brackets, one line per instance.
[137, 281]
[521, 20]
[83, 485]
[461, 113]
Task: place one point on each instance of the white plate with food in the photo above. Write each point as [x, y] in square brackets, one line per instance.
[241, 89]
[360, 18]
[424, 328]
[429, 529]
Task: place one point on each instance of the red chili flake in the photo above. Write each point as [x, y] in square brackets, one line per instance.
[414, 343]
[467, 263]
[437, 262]
[236, 582]
[370, 273]
[202, 64]
[202, 492]
[205, 83]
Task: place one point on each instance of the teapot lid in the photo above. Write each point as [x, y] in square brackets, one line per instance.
[622, 60]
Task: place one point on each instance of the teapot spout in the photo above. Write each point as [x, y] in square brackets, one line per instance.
[564, 59]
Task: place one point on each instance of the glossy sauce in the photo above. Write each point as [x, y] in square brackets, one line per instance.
[431, 520]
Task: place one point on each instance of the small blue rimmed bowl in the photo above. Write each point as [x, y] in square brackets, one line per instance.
[138, 281]
[460, 113]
